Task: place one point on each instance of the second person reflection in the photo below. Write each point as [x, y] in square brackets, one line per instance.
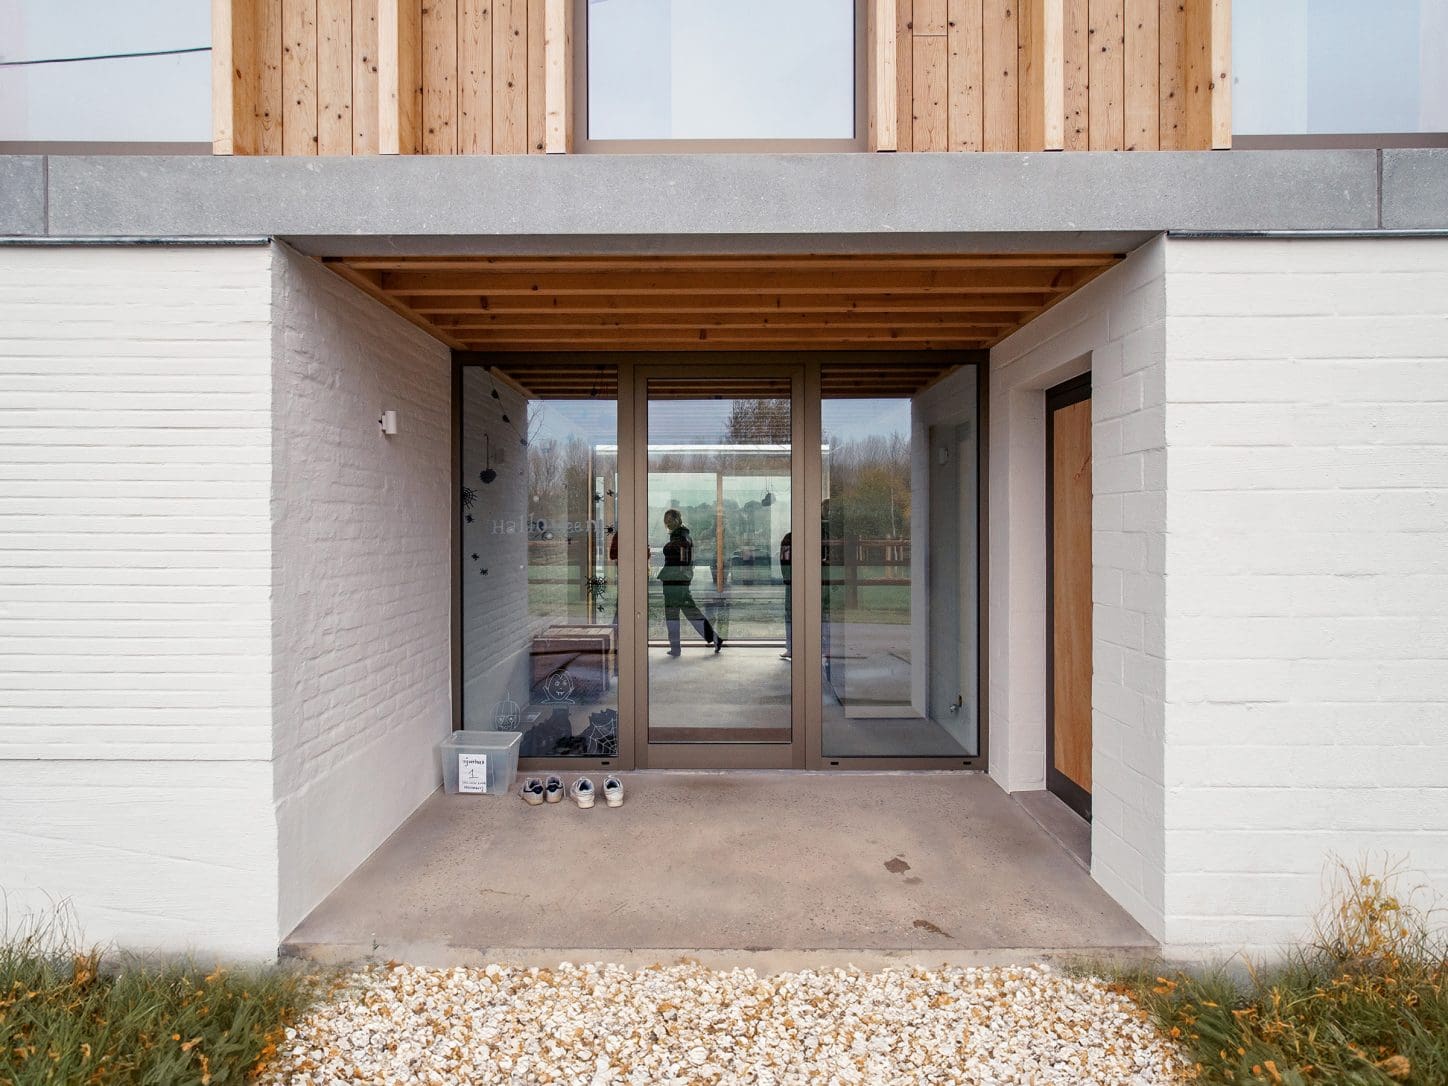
[675, 575]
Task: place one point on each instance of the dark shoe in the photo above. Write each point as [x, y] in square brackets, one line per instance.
[785, 656]
[718, 644]
[675, 652]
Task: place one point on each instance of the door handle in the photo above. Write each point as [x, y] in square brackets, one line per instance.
[958, 703]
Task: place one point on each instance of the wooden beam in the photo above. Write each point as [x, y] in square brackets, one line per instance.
[886, 264]
[558, 77]
[705, 304]
[399, 76]
[882, 89]
[1076, 50]
[1172, 75]
[625, 344]
[369, 286]
[480, 321]
[231, 65]
[693, 281]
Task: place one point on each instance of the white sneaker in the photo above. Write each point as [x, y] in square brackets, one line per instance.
[553, 788]
[582, 792]
[613, 792]
[532, 791]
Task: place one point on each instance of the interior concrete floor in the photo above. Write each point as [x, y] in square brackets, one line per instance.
[772, 869]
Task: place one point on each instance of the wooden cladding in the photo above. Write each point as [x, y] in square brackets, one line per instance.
[356, 77]
[662, 303]
[448, 77]
[1074, 75]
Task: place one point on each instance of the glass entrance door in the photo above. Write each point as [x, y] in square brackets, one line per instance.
[714, 590]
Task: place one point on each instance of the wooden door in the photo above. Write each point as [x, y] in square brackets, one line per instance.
[1068, 600]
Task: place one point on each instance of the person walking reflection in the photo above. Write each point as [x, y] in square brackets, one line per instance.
[676, 574]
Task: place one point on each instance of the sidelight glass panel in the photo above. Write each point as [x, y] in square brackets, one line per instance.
[700, 69]
[539, 569]
[719, 504]
[899, 582]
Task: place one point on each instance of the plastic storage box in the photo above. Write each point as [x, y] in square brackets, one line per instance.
[479, 763]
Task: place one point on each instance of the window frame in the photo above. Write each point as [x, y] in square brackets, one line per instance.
[583, 144]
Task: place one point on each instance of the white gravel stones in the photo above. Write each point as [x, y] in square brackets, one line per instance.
[603, 1025]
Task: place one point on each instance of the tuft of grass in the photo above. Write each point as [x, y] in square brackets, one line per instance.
[83, 1017]
[1363, 1003]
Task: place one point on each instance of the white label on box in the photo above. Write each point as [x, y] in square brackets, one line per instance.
[472, 773]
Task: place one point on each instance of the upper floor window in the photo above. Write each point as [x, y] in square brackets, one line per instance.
[703, 72]
[1312, 68]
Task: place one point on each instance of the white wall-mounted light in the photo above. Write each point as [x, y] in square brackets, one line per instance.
[388, 422]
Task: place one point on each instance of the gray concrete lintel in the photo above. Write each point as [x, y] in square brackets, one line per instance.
[22, 195]
[340, 205]
[1415, 189]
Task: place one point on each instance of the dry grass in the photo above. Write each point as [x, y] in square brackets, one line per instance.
[1365, 1001]
[78, 1016]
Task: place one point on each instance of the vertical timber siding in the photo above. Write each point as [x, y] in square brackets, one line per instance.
[448, 77]
[356, 77]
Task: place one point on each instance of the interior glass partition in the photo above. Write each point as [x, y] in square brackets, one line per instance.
[540, 506]
[899, 603]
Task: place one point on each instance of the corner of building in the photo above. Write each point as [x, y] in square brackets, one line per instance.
[361, 575]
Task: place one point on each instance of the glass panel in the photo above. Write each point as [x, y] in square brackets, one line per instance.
[899, 619]
[701, 69]
[539, 581]
[718, 508]
[1339, 66]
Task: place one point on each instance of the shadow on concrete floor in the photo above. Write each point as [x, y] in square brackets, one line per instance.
[775, 869]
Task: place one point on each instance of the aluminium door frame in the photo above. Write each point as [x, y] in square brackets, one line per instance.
[633, 447]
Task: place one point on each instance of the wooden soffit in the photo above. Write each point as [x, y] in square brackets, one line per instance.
[693, 303]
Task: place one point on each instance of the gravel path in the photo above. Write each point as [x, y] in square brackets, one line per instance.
[599, 1025]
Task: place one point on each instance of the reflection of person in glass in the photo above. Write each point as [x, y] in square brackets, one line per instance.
[786, 567]
[676, 574]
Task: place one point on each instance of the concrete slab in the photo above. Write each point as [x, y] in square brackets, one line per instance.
[1070, 830]
[825, 198]
[1415, 189]
[770, 869]
[22, 195]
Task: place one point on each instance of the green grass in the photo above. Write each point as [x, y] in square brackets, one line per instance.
[78, 1017]
[1364, 1002]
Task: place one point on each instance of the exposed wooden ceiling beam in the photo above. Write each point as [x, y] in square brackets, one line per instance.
[727, 263]
[585, 305]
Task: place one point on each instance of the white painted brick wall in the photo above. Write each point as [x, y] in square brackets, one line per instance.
[363, 576]
[1307, 576]
[1115, 327]
[135, 581]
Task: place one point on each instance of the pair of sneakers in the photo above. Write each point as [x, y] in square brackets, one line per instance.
[550, 790]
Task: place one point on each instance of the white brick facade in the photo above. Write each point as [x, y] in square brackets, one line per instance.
[1115, 328]
[224, 595]
[363, 575]
[135, 592]
[1270, 553]
[1307, 576]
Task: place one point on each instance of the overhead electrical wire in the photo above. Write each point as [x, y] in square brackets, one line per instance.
[105, 56]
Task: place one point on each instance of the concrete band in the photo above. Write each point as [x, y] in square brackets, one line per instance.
[884, 202]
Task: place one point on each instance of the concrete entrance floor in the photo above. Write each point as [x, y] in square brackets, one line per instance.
[771, 869]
